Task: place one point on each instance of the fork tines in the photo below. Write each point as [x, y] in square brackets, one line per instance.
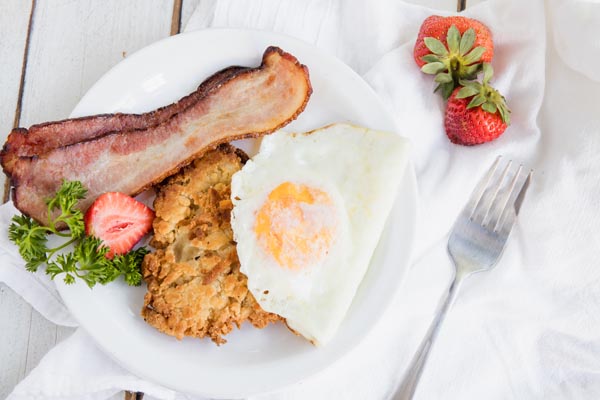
[499, 194]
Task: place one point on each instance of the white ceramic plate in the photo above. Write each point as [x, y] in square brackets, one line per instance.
[252, 361]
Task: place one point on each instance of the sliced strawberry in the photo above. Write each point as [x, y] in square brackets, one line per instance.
[119, 220]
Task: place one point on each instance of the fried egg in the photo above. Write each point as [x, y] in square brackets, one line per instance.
[308, 212]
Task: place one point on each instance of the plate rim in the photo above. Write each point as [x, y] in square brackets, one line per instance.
[411, 188]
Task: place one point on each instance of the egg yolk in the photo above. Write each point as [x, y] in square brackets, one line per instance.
[296, 225]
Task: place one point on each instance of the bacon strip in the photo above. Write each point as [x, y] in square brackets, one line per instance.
[41, 138]
[252, 102]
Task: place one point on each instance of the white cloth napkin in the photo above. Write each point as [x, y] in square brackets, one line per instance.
[530, 328]
[575, 30]
[36, 289]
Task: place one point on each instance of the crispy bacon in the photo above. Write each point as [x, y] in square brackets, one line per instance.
[42, 138]
[250, 103]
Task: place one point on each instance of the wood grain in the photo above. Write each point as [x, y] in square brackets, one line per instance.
[187, 9]
[15, 18]
[71, 45]
[176, 17]
[15, 314]
[74, 43]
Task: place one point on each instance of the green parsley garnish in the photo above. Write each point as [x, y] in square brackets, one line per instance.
[88, 259]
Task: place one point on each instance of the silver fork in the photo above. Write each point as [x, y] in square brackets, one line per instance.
[476, 243]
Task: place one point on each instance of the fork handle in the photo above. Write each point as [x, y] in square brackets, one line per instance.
[409, 383]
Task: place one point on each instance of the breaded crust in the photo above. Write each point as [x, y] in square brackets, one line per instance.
[195, 287]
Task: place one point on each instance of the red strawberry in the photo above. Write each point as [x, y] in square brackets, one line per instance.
[476, 113]
[437, 27]
[119, 220]
[452, 48]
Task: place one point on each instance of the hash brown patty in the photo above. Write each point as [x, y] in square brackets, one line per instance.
[195, 287]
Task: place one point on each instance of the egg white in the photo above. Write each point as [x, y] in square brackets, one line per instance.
[359, 169]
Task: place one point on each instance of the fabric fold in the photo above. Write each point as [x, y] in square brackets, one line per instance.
[36, 289]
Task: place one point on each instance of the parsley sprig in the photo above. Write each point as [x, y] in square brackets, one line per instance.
[88, 259]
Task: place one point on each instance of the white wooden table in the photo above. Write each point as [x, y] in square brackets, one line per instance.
[51, 52]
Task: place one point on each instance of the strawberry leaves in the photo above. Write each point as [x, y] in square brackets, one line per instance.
[436, 46]
[433, 68]
[458, 61]
[467, 41]
[485, 96]
[456, 50]
[467, 91]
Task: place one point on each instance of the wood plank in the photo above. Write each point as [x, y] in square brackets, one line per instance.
[14, 27]
[176, 17]
[71, 45]
[42, 337]
[63, 332]
[15, 314]
[187, 9]
[74, 43]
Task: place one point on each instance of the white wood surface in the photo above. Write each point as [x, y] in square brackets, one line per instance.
[15, 314]
[71, 44]
[187, 10]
